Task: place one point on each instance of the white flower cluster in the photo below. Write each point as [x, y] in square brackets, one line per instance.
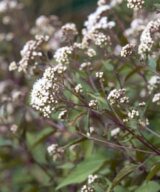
[44, 95]
[117, 96]
[97, 21]
[91, 52]
[84, 65]
[55, 151]
[99, 39]
[143, 122]
[93, 103]
[46, 25]
[127, 50]
[135, 4]
[99, 75]
[69, 31]
[136, 27]
[31, 52]
[87, 188]
[153, 83]
[146, 39]
[6, 5]
[156, 98]
[133, 114]
[78, 88]
[63, 55]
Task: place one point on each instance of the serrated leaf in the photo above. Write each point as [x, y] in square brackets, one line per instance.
[82, 170]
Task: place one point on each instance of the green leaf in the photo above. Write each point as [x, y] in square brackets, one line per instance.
[123, 173]
[154, 170]
[133, 72]
[82, 170]
[40, 175]
[35, 139]
[120, 189]
[149, 187]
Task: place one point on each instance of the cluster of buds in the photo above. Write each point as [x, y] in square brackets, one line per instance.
[47, 90]
[99, 39]
[92, 178]
[135, 4]
[133, 114]
[117, 96]
[31, 53]
[84, 65]
[143, 122]
[93, 103]
[91, 52]
[63, 55]
[88, 187]
[55, 151]
[146, 39]
[99, 75]
[127, 50]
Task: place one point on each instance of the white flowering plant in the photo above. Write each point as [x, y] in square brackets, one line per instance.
[80, 107]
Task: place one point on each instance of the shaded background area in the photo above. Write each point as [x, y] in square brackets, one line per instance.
[68, 10]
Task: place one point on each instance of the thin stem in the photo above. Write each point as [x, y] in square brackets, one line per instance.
[113, 145]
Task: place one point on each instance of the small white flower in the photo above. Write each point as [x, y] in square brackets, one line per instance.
[93, 103]
[92, 178]
[63, 55]
[127, 50]
[156, 98]
[99, 75]
[13, 66]
[55, 151]
[133, 114]
[135, 4]
[115, 131]
[78, 88]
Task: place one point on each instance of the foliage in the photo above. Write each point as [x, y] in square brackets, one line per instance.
[79, 109]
